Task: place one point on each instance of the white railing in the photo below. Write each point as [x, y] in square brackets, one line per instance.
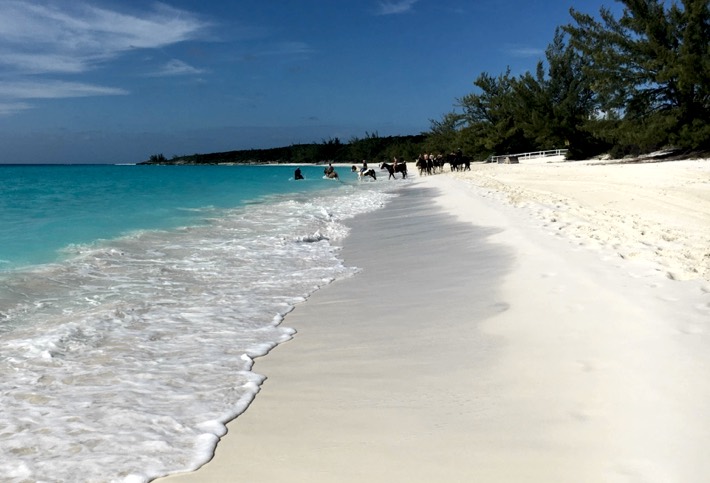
[532, 154]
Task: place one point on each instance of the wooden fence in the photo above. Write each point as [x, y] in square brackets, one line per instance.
[531, 154]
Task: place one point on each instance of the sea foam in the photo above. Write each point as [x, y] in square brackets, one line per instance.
[124, 361]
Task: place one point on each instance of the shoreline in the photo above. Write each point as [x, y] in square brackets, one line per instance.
[535, 355]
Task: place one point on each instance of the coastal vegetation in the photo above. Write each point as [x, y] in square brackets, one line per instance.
[371, 147]
[626, 86]
[623, 86]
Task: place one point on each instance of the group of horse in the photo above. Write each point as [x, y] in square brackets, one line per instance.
[458, 162]
[427, 164]
[430, 164]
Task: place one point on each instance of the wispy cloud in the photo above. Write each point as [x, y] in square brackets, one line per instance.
[42, 38]
[395, 7]
[13, 108]
[51, 89]
[525, 51]
[288, 49]
[175, 67]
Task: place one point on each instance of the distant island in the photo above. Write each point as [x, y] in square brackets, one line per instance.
[372, 148]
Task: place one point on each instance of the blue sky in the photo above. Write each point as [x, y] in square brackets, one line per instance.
[114, 81]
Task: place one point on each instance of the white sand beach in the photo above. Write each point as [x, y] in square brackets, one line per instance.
[516, 323]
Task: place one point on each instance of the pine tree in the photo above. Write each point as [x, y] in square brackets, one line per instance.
[491, 115]
[651, 69]
[556, 107]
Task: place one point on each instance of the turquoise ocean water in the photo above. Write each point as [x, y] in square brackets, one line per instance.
[134, 298]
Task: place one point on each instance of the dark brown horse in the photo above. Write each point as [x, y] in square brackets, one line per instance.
[330, 173]
[400, 168]
[458, 162]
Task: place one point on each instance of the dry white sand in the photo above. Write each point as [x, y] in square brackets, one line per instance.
[656, 212]
[517, 323]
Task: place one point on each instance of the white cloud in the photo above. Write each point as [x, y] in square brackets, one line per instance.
[36, 63]
[525, 51]
[54, 89]
[13, 108]
[37, 37]
[395, 7]
[176, 67]
[41, 38]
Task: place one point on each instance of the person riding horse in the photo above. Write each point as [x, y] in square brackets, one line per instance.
[329, 172]
[361, 173]
[397, 167]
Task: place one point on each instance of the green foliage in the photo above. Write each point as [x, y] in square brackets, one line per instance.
[652, 66]
[493, 113]
[157, 158]
[331, 149]
[372, 148]
[545, 110]
[630, 85]
[444, 134]
[369, 147]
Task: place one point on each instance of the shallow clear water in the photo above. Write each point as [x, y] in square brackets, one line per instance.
[133, 301]
[46, 208]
